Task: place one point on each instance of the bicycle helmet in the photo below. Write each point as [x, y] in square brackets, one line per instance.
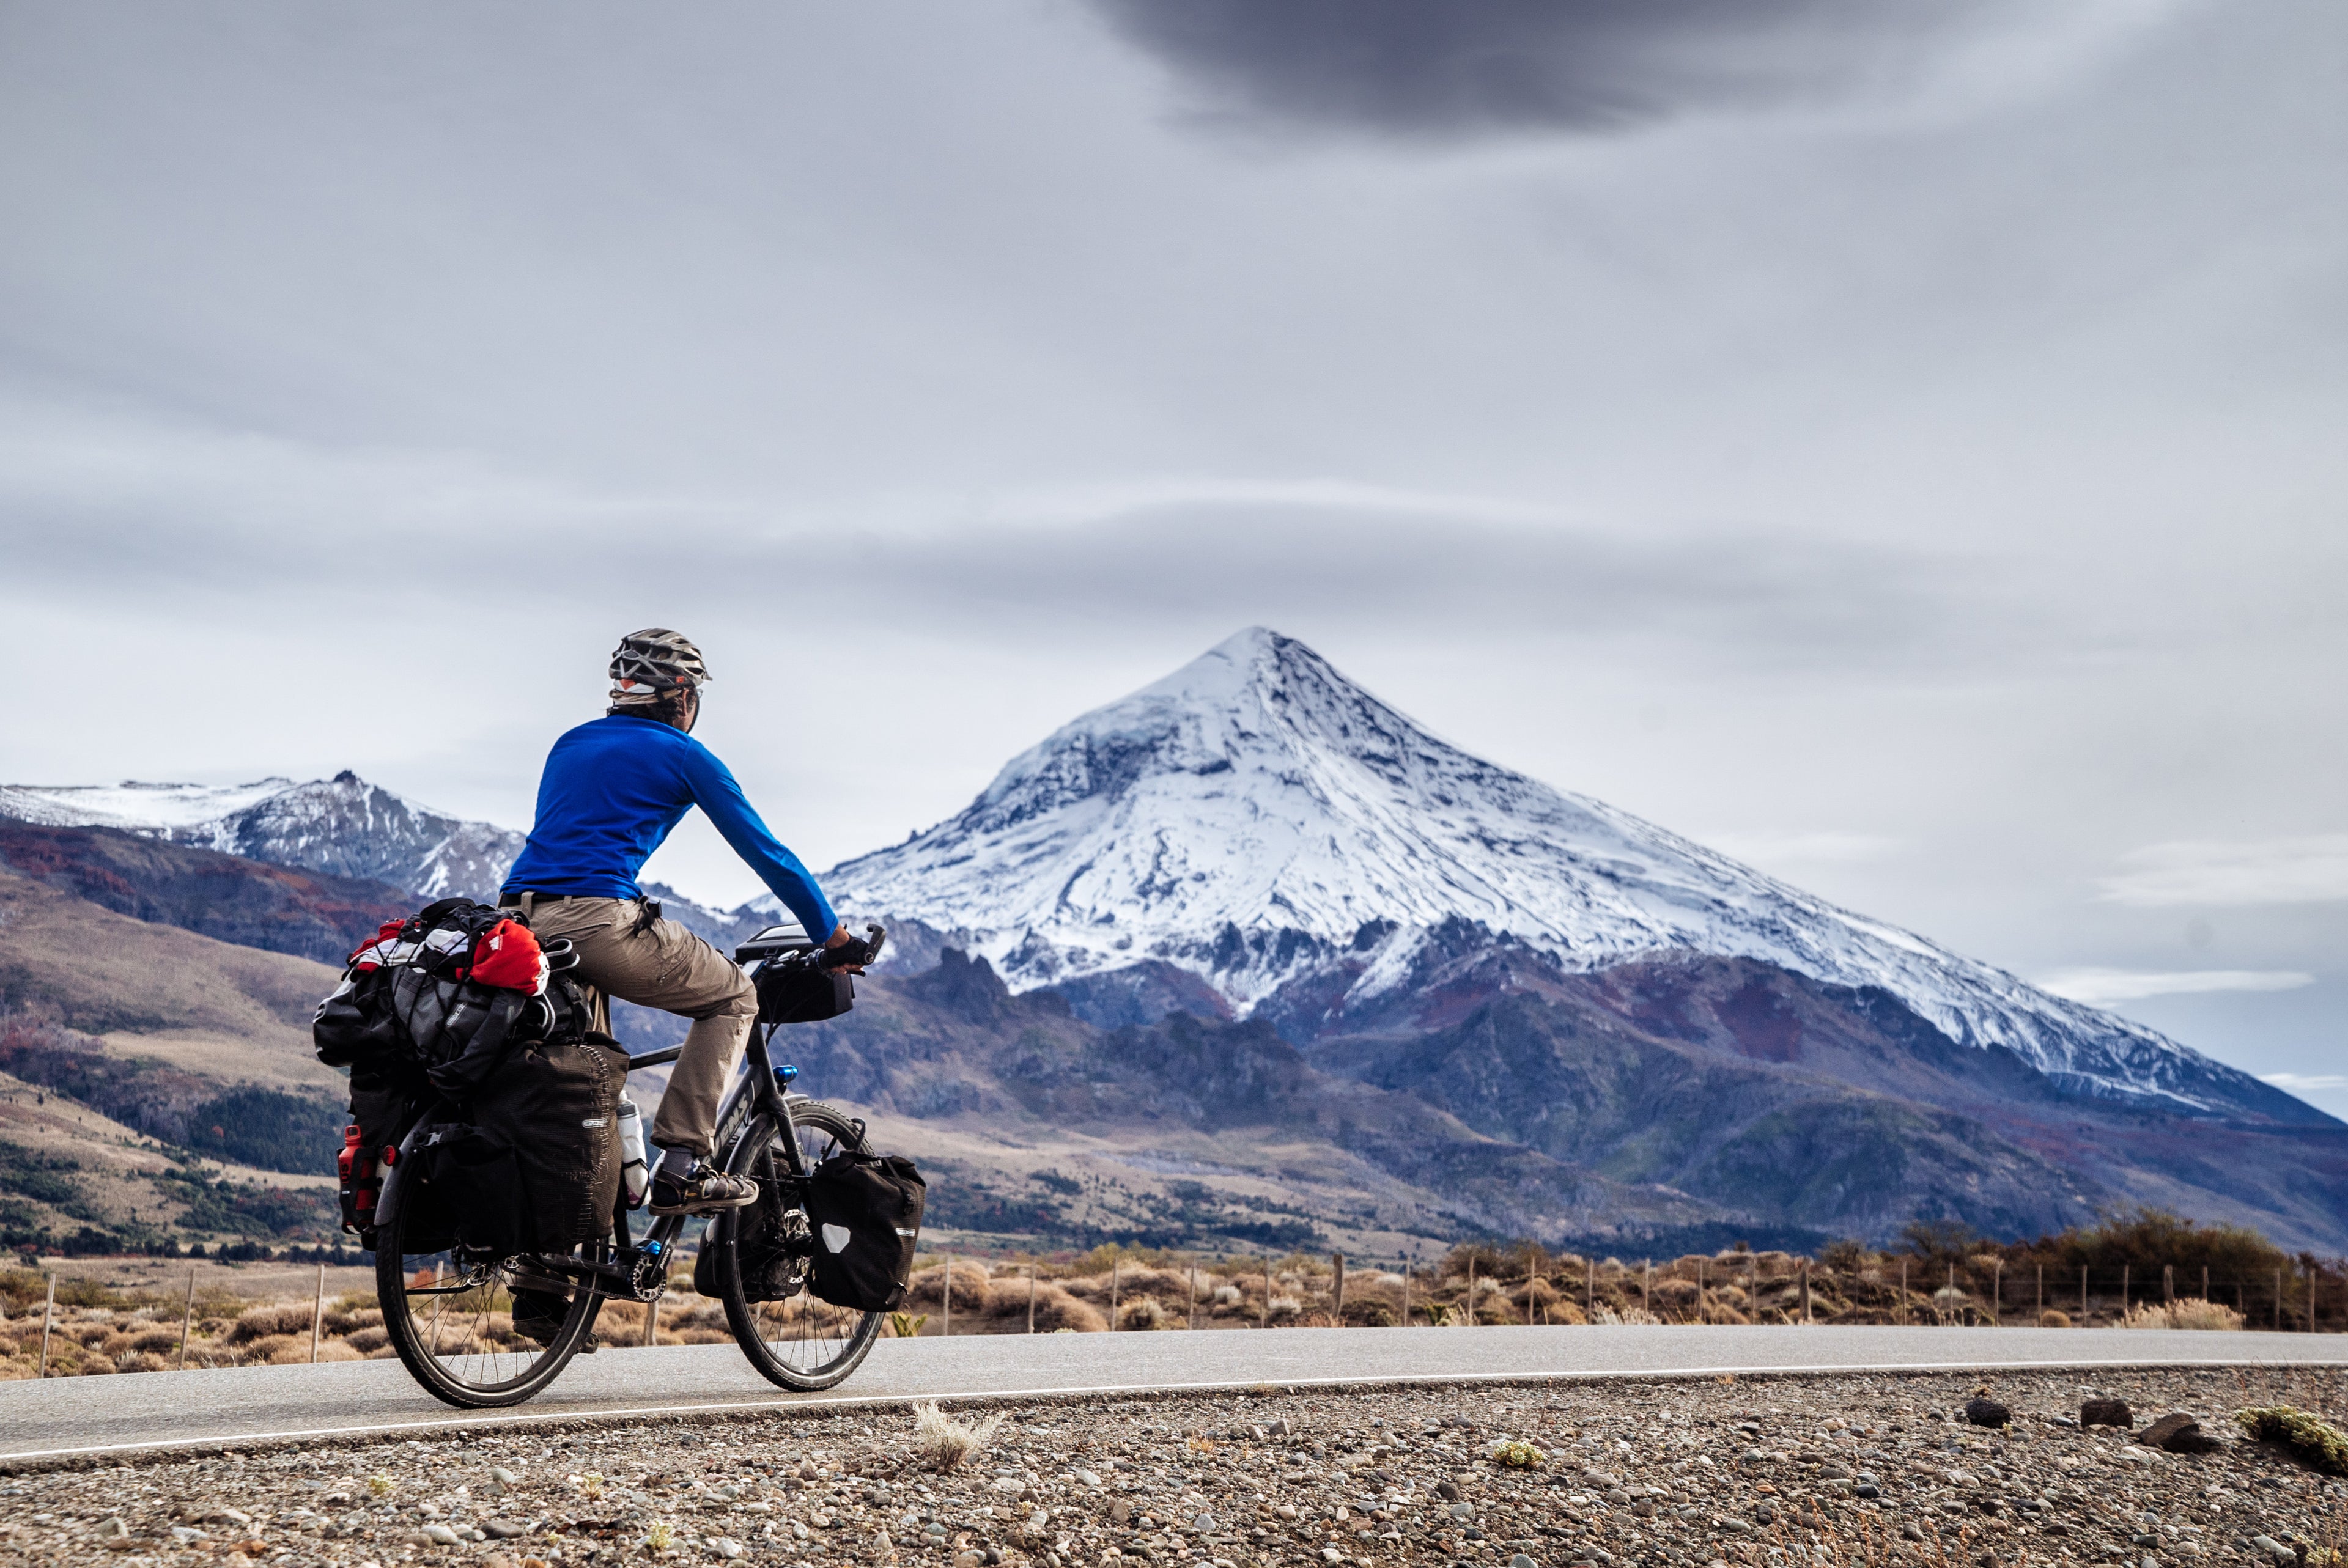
[649, 664]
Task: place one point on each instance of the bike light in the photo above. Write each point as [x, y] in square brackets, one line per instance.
[784, 1072]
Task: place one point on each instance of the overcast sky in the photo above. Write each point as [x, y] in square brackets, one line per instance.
[1899, 444]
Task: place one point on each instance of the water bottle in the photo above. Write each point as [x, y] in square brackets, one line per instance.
[633, 1171]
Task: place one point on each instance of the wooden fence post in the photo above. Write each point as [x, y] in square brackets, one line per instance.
[946, 1328]
[1647, 1287]
[1337, 1290]
[1805, 1290]
[1903, 1285]
[1115, 1266]
[1267, 1293]
[1031, 1298]
[2082, 1295]
[187, 1319]
[1997, 1291]
[1471, 1290]
[2125, 1269]
[2169, 1284]
[49, 1309]
[1405, 1293]
[2278, 1312]
[1194, 1293]
[317, 1315]
[1590, 1288]
[2042, 1290]
[652, 1320]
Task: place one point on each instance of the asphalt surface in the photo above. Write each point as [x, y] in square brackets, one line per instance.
[227, 1407]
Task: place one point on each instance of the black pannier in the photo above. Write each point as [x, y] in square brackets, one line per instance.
[466, 1184]
[460, 1003]
[866, 1213]
[770, 1240]
[537, 1167]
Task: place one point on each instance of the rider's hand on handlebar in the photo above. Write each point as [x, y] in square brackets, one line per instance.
[846, 952]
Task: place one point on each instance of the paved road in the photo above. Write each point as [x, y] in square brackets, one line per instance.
[173, 1410]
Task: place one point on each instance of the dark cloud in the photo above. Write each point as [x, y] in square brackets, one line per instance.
[1448, 68]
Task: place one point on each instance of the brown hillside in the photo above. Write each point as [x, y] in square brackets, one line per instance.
[227, 1012]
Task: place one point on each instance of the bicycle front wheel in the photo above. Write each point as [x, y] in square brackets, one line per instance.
[795, 1341]
[451, 1317]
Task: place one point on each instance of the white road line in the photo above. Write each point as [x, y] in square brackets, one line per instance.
[819, 1402]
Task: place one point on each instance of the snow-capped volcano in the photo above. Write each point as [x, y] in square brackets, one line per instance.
[344, 826]
[1255, 817]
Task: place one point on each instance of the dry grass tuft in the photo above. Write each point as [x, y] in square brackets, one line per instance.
[944, 1442]
[2192, 1312]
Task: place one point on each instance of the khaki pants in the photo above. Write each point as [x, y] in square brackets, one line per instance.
[663, 965]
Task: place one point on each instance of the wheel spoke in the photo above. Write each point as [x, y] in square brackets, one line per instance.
[459, 1336]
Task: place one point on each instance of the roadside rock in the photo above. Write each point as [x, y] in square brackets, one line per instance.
[1983, 1412]
[2179, 1434]
[2105, 1413]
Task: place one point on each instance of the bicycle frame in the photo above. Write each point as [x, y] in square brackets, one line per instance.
[759, 1089]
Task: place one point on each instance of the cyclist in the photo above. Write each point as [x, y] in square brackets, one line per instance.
[613, 789]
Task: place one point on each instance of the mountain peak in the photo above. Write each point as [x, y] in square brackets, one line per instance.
[343, 826]
[1258, 820]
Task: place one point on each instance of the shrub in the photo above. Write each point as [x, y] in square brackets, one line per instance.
[1144, 1314]
[2314, 1440]
[264, 1322]
[1057, 1312]
[2190, 1313]
[2054, 1317]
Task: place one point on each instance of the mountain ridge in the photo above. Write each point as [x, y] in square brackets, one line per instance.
[1258, 821]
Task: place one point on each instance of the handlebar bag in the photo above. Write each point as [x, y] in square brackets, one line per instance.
[866, 1213]
[802, 993]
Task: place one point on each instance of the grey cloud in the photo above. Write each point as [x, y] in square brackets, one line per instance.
[1446, 69]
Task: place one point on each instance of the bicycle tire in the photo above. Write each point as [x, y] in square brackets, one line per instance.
[799, 1342]
[438, 1348]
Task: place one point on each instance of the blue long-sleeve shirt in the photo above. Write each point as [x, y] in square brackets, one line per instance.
[614, 787]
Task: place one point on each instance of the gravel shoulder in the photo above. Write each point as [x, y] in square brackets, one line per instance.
[1758, 1473]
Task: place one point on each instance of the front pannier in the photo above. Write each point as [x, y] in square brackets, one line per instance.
[866, 1213]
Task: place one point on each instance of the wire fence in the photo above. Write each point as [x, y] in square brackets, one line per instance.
[1476, 1287]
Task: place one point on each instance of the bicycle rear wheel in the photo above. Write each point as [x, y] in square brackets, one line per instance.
[797, 1342]
[451, 1318]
